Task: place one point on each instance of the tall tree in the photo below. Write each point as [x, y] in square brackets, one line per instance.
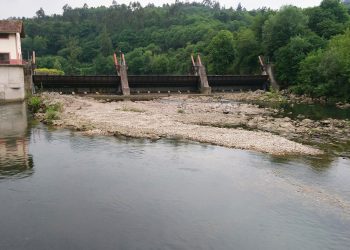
[221, 52]
[278, 29]
[40, 13]
[106, 47]
[329, 19]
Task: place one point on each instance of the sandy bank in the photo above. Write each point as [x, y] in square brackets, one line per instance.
[173, 117]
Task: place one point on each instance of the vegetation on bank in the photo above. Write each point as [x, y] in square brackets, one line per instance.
[309, 47]
[46, 71]
[34, 103]
[50, 111]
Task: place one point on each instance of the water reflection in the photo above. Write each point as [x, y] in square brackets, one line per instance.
[15, 160]
[115, 193]
[311, 111]
[316, 163]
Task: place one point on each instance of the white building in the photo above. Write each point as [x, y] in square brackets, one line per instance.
[11, 63]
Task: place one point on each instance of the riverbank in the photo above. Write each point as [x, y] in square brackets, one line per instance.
[202, 119]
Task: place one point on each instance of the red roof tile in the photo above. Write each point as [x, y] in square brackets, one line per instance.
[11, 26]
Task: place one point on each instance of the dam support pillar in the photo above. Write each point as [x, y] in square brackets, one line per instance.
[267, 69]
[122, 72]
[199, 70]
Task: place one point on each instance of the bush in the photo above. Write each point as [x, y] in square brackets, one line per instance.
[51, 115]
[34, 103]
[51, 112]
[326, 72]
[45, 71]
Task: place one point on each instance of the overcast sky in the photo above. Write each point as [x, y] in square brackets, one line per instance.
[27, 8]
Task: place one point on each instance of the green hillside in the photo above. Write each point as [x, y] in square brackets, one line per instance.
[309, 47]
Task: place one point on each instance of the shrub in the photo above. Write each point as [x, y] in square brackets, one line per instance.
[45, 71]
[181, 111]
[51, 112]
[34, 103]
[326, 72]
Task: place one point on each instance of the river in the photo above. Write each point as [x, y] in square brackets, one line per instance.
[62, 190]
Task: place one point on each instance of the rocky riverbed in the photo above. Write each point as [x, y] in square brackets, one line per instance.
[219, 120]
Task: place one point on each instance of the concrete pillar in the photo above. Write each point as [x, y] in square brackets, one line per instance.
[124, 80]
[273, 82]
[28, 78]
[267, 69]
[204, 87]
[122, 71]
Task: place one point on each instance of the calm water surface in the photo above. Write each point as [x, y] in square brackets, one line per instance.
[62, 190]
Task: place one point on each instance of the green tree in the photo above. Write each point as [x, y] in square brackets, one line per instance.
[72, 52]
[221, 52]
[159, 64]
[40, 13]
[39, 45]
[103, 65]
[137, 61]
[160, 40]
[247, 51]
[326, 72]
[288, 58]
[106, 47]
[329, 19]
[278, 29]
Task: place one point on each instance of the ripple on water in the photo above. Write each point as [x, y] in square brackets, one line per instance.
[107, 193]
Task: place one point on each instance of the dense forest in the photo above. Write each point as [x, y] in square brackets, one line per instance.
[310, 48]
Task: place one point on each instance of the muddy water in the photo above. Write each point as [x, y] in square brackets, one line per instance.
[62, 190]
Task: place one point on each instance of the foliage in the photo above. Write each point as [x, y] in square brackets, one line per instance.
[327, 72]
[247, 49]
[288, 58]
[159, 40]
[50, 115]
[132, 109]
[51, 112]
[274, 96]
[221, 52]
[181, 111]
[34, 103]
[289, 22]
[329, 19]
[45, 71]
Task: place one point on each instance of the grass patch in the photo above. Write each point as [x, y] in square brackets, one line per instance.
[51, 112]
[34, 103]
[56, 107]
[130, 109]
[51, 115]
[181, 111]
[275, 96]
[227, 125]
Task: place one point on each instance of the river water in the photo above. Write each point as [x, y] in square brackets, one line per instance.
[62, 190]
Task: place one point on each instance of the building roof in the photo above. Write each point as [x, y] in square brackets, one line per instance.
[12, 26]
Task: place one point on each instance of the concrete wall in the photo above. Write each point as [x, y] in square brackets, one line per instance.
[11, 83]
[11, 46]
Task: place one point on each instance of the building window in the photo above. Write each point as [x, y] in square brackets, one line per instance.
[4, 58]
[4, 36]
